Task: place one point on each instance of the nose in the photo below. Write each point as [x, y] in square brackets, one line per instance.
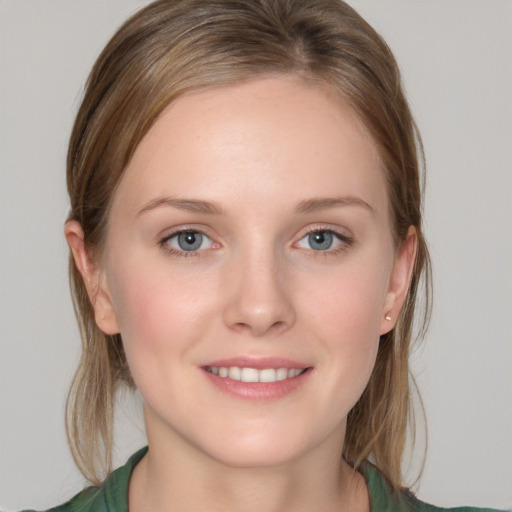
[260, 300]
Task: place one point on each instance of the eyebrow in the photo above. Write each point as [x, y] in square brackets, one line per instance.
[213, 208]
[324, 203]
[188, 205]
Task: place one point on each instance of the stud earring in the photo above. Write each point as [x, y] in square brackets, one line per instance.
[388, 317]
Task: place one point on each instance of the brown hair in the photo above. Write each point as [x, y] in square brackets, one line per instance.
[175, 46]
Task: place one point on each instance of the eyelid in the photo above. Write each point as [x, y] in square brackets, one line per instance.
[341, 232]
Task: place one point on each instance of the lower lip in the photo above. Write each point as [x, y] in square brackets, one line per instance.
[260, 391]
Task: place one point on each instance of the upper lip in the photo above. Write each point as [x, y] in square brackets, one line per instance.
[258, 363]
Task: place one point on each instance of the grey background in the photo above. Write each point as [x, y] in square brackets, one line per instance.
[456, 57]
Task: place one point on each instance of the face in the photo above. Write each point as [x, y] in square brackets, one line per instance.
[249, 266]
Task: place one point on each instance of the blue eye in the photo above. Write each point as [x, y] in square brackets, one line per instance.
[188, 241]
[322, 240]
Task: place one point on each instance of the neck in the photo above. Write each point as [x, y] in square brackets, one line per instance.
[177, 477]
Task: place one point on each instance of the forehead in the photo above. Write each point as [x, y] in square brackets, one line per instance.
[272, 133]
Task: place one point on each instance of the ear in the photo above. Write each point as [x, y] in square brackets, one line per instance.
[93, 277]
[399, 281]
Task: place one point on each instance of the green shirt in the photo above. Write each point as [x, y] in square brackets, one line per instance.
[112, 495]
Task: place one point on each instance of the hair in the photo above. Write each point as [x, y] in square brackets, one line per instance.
[172, 47]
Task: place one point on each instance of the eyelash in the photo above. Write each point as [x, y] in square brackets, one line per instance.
[344, 240]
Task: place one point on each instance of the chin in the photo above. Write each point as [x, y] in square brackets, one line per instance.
[260, 455]
[260, 446]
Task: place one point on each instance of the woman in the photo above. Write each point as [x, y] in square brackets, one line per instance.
[247, 245]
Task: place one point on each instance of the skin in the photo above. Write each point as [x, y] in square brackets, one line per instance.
[262, 153]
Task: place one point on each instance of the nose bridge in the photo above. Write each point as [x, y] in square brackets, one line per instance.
[259, 301]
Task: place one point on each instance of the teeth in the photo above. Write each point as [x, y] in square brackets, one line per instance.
[268, 375]
[282, 374]
[235, 373]
[249, 375]
[254, 375]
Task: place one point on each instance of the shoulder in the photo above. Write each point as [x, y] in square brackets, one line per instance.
[383, 499]
[88, 500]
[420, 506]
[111, 496]
[91, 499]
[415, 505]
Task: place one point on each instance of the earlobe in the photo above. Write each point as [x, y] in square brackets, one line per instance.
[93, 277]
[400, 281]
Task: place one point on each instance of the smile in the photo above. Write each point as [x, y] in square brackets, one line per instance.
[255, 375]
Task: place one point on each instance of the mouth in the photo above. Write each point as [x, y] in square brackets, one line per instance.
[246, 374]
[255, 378]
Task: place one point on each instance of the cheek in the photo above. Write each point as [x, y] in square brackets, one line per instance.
[350, 300]
[159, 314]
[346, 316]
